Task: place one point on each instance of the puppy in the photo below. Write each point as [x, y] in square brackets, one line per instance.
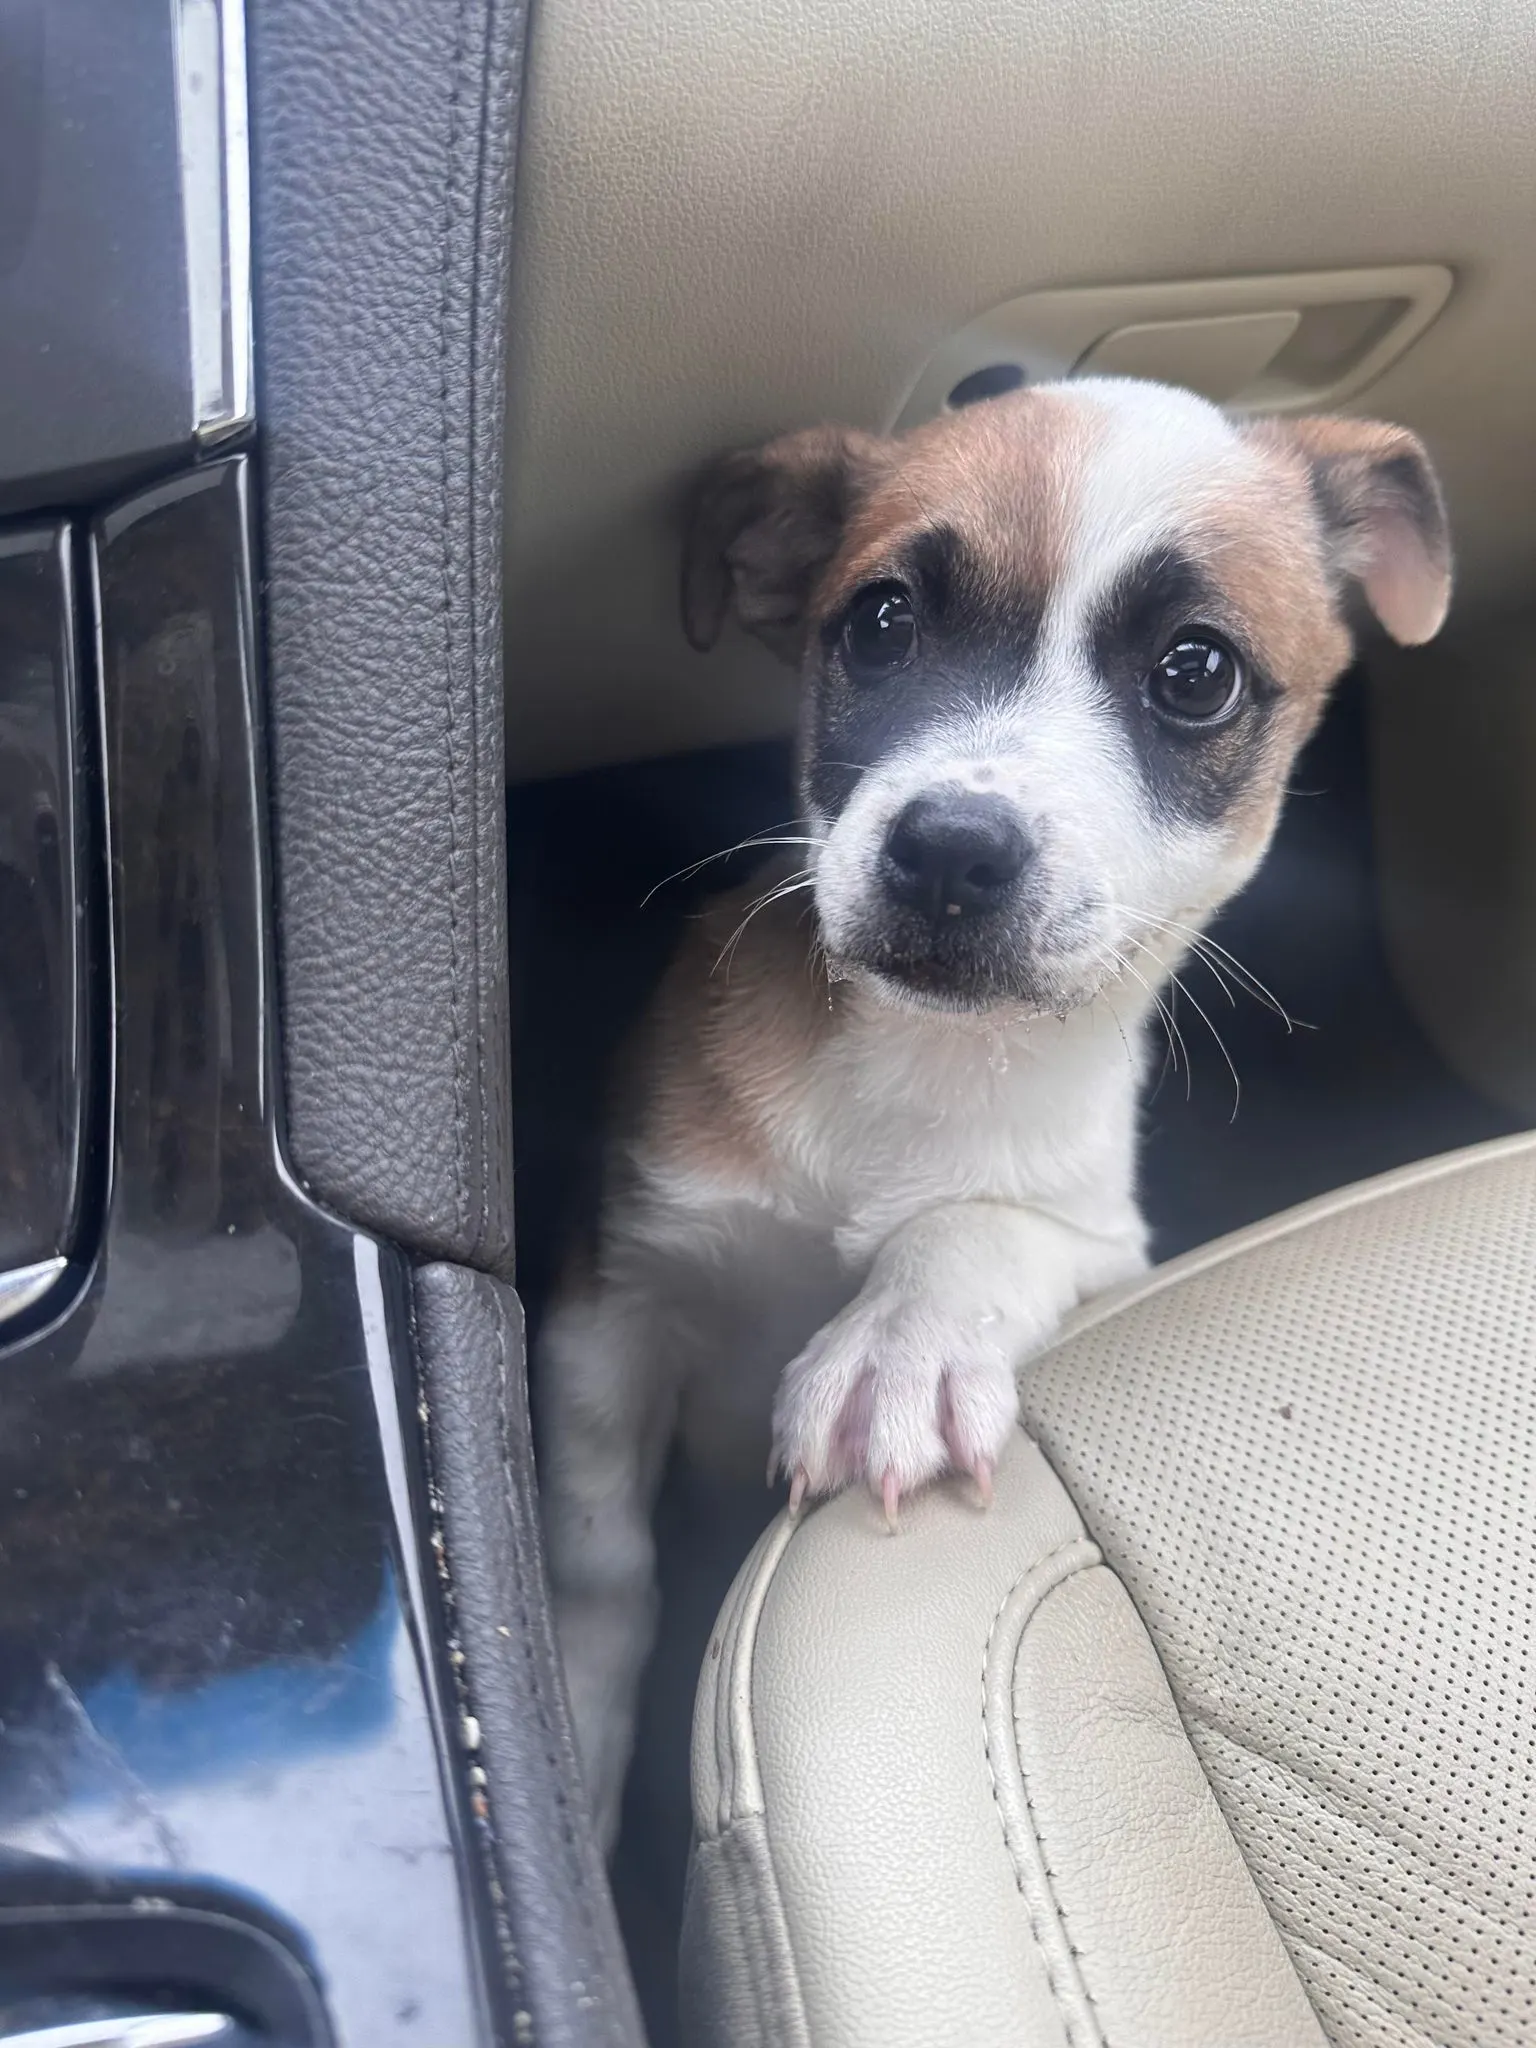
[1057, 654]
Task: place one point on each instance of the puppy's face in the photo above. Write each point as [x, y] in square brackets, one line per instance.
[1058, 654]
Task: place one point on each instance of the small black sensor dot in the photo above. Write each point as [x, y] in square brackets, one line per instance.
[989, 382]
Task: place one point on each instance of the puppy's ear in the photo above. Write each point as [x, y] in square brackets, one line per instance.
[1384, 516]
[764, 526]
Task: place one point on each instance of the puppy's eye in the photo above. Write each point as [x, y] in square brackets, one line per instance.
[1199, 681]
[879, 632]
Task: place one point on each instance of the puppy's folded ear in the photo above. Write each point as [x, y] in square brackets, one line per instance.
[765, 524]
[1383, 515]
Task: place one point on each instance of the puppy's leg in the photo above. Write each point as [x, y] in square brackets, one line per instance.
[916, 1375]
[608, 1395]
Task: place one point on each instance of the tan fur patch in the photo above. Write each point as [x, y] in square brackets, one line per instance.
[1003, 476]
[1382, 511]
[740, 1013]
[1260, 547]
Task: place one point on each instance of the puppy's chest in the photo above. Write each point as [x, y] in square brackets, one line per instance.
[879, 1128]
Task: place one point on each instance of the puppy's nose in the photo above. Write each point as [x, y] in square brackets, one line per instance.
[954, 854]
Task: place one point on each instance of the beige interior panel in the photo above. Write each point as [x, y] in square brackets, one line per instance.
[739, 219]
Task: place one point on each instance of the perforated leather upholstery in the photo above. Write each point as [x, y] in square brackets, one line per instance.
[1264, 1774]
[1310, 1455]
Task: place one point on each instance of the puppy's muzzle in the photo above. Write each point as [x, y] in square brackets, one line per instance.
[953, 854]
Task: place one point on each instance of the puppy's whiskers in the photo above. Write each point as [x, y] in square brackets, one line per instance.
[772, 836]
[1103, 997]
[789, 886]
[1167, 1012]
[1169, 1021]
[821, 962]
[1216, 957]
[1221, 1043]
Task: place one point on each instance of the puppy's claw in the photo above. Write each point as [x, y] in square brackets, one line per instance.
[890, 1497]
[798, 1487]
[981, 1472]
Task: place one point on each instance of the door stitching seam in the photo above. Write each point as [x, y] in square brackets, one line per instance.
[1047, 1573]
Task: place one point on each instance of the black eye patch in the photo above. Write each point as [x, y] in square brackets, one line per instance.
[1147, 605]
[1191, 770]
[974, 640]
[939, 570]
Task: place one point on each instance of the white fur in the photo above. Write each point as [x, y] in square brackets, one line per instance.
[1161, 451]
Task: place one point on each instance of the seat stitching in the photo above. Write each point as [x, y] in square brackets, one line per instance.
[739, 1804]
[1086, 1556]
[1034, 1818]
[754, 1932]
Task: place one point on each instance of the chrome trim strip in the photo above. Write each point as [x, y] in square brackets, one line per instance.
[211, 122]
[19, 1289]
[237, 215]
[151, 2030]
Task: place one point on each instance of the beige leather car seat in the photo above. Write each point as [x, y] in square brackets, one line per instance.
[1219, 1729]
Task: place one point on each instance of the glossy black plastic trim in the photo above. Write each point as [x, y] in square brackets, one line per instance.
[90, 1954]
[43, 1046]
[95, 335]
[222, 1658]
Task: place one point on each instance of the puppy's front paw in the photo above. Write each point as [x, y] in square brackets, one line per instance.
[892, 1393]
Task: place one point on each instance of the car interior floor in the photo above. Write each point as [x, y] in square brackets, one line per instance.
[1257, 1102]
